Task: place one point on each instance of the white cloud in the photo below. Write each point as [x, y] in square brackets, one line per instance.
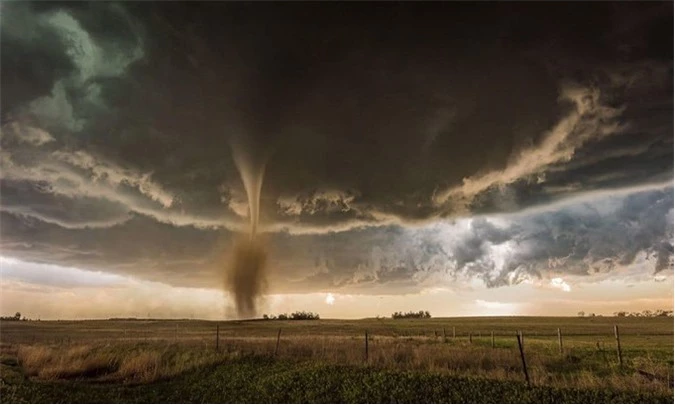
[559, 283]
[27, 211]
[79, 174]
[589, 119]
[106, 172]
[484, 307]
[26, 133]
[317, 202]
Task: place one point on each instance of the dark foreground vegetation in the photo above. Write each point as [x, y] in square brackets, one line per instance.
[265, 380]
[407, 360]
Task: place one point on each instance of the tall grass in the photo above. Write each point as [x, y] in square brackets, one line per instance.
[147, 362]
[129, 363]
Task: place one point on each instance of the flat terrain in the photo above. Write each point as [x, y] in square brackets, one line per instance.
[408, 360]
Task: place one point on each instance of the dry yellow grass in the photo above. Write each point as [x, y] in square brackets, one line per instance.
[51, 363]
[126, 363]
[142, 367]
[147, 362]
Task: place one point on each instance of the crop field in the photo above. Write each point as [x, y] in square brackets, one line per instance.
[438, 360]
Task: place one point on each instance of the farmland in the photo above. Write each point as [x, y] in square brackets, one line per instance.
[407, 360]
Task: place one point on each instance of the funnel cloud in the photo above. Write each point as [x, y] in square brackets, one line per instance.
[245, 277]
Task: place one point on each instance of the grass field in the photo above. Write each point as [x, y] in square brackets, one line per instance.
[409, 360]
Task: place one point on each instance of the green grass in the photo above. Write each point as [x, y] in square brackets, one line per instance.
[572, 327]
[323, 361]
[264, 380]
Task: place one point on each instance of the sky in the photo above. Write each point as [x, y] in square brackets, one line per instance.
[465, 159]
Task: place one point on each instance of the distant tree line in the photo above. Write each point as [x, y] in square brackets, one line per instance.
[419, 314]
[16, 317]
[645, 314]
[295, 316]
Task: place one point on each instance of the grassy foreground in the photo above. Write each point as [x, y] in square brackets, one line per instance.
[264, 380]
[436, 360]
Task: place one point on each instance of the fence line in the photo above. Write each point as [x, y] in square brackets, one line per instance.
[618, 345]
[522, 358]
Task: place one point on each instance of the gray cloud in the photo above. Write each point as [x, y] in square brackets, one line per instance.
[55, 276]
[579, 239]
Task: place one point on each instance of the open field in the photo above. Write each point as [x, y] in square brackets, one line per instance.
[409, 360]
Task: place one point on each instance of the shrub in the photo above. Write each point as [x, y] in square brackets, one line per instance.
[419, 314]
[302, 315]
[295, 316]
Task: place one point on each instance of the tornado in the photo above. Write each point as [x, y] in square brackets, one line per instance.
[245, 277]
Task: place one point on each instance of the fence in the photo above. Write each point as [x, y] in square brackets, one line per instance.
[397, 345]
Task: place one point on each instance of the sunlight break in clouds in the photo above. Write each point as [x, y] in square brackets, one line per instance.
[496, 308]
[559, 283]
[56, 292]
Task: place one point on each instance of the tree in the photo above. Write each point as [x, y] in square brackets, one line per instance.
[418, 314]
[17, 316]
[581, 313]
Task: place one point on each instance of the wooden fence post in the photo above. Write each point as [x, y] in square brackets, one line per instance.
[453, 332]
[276, 348]
[618, 344]
[366, 345]
[492, 337]
[445, 339]
[560, 345]
[522, 358]
[470, 338]
[522, 339]
[217, 336]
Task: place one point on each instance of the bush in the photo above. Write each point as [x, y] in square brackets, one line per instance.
[16, 317]
[302, 315]
[295, 316]
[420, 315]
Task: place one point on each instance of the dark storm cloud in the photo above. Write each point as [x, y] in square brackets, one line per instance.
[117, 121]
[161, 252]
